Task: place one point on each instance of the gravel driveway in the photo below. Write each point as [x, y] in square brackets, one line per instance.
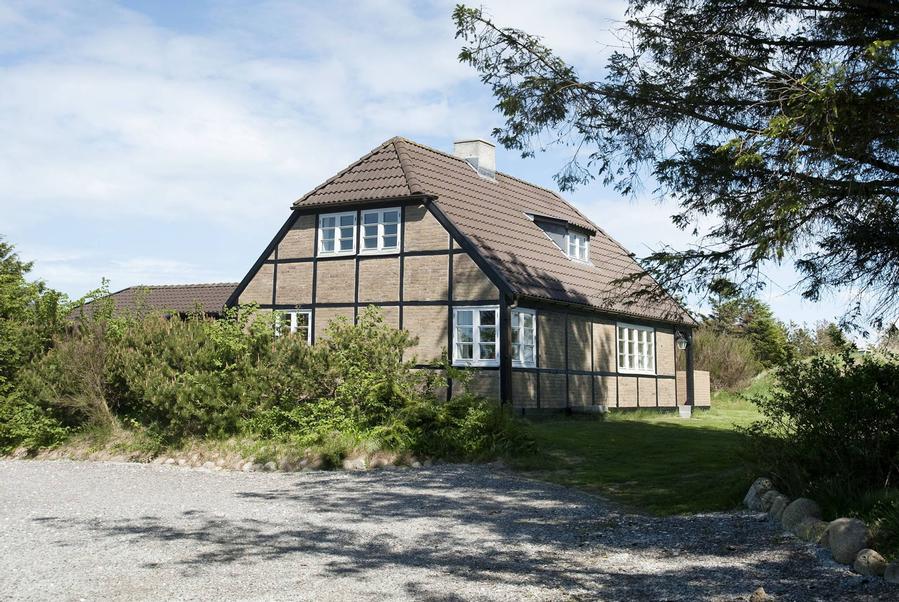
[92, 531]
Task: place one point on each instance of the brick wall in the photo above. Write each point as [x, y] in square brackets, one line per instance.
[429, 324]
[379, 279]
[469, 282]
[294, 283]
[426, 278]
[422, 231]
[299, 241]
[259, 290]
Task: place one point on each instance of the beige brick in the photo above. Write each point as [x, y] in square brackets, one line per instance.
[294, 283]
[484, 382]
[391, 315]
[336, 281]
[646, 391]
[425, 278]
[469, 282]
[299, 241]
[605, 354]
[606, 391]
[580, 390]
[665, 351]
[578, 343]
[429, 324]
[422, 231]
[324, 316]
[379, 279]
[666, 393]
[524, 389]
[627, 391]
[552, 391]
[551, 339]
[702, 389]
[259, 290]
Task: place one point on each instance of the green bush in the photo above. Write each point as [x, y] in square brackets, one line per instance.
[730, 360]
[831, 426]
[26, 425]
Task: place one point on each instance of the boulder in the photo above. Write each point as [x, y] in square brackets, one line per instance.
[753, 499]
[813, 530]
[354, 463]
[798, 510]
[249, 467]
[208, 465]
[768, 499]
[846, 538]
[778, 505]
[891, 573]
[270, 466]
[869, 563]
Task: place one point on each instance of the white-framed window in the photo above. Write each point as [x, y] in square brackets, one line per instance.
[381, 230]
[636, 349]
[294, 322]
[578, 246]
[476, 336]
[337, 233]
[524, 338]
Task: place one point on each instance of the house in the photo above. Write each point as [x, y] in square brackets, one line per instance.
[516, 283]
[183, 299]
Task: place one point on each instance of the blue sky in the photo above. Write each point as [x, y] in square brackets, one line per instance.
[163, 142]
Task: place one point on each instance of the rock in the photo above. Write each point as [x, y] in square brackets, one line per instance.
[768, 499]
[869, 563]
[798, 510]
[182, 462]
[159, 460]
[220, 463]
[891, 573]
[170, 461]
[249, 467]
[759, 487]
[416, 464]
[19, 453]
[209, 465]
[270, 466]
[354, 463]
[760, 595]
[778, 505]
[847, 537]
[813, 530]
[428, 463]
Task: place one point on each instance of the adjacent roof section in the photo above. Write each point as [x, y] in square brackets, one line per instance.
[177, 298]
[493, 216]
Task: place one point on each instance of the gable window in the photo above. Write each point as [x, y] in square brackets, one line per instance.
[524, 338]
[337, 233]
[476, 336]
[381, 230]
[294, 322]
[578, 246]
[636, 349]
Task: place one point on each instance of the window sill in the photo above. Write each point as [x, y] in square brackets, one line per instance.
[336, 254]
[524, 365]
[476, 363]
[380, 252]
[637, 372]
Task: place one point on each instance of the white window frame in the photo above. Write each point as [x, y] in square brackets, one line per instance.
[628, 362]
[577, 238]
[476, 343]
[294, 322]
[337, 250]
[518, 358]
[380, 236]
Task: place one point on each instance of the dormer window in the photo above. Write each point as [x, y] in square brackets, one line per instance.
[578, 246]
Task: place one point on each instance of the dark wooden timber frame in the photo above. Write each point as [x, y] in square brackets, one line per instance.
[508, 299]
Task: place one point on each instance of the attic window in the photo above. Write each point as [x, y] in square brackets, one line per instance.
[578, 246]
[575, 244]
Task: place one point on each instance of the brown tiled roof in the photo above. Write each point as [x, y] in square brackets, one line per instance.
[178, 298]
[493, 215]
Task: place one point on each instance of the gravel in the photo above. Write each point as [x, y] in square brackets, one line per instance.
[87, 531]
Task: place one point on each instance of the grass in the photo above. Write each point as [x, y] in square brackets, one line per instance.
[650, 461]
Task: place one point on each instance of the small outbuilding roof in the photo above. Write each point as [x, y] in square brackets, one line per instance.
[210, 298]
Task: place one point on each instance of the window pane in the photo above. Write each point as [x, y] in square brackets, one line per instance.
[488, 352]
[347, 220]
[346, 244]
[302, 320]
[488, 317]
[464, 351]
[390, 242]
[516, 351]
[527, 320]
[371, 230]
[370, 218]
[328, 222]
[529, 354]
[515, 319]
[465, 334]
[346, 232]
[488, 334]
[464, 317]
[328, 245]
[391, 217]
[370, 243]
[328, 234]
[390, 229]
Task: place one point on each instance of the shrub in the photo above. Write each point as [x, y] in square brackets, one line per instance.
[26, 425]
[730, 360]
[831, 426]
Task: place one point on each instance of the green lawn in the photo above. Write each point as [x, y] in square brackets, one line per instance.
[650, 461]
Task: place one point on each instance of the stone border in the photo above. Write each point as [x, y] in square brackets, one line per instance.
[846, 538]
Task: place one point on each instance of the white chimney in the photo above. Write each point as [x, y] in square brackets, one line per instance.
[479, 153]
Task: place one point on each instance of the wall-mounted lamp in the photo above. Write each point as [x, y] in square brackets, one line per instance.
[682, 341]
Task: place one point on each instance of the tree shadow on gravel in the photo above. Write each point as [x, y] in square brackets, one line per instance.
[488, 528]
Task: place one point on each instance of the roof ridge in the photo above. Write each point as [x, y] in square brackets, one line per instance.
[193, 285]
[343, 171]
[412, 181]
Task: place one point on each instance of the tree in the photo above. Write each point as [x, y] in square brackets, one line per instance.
[777, 121]
[750, 319]
[30, 314]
